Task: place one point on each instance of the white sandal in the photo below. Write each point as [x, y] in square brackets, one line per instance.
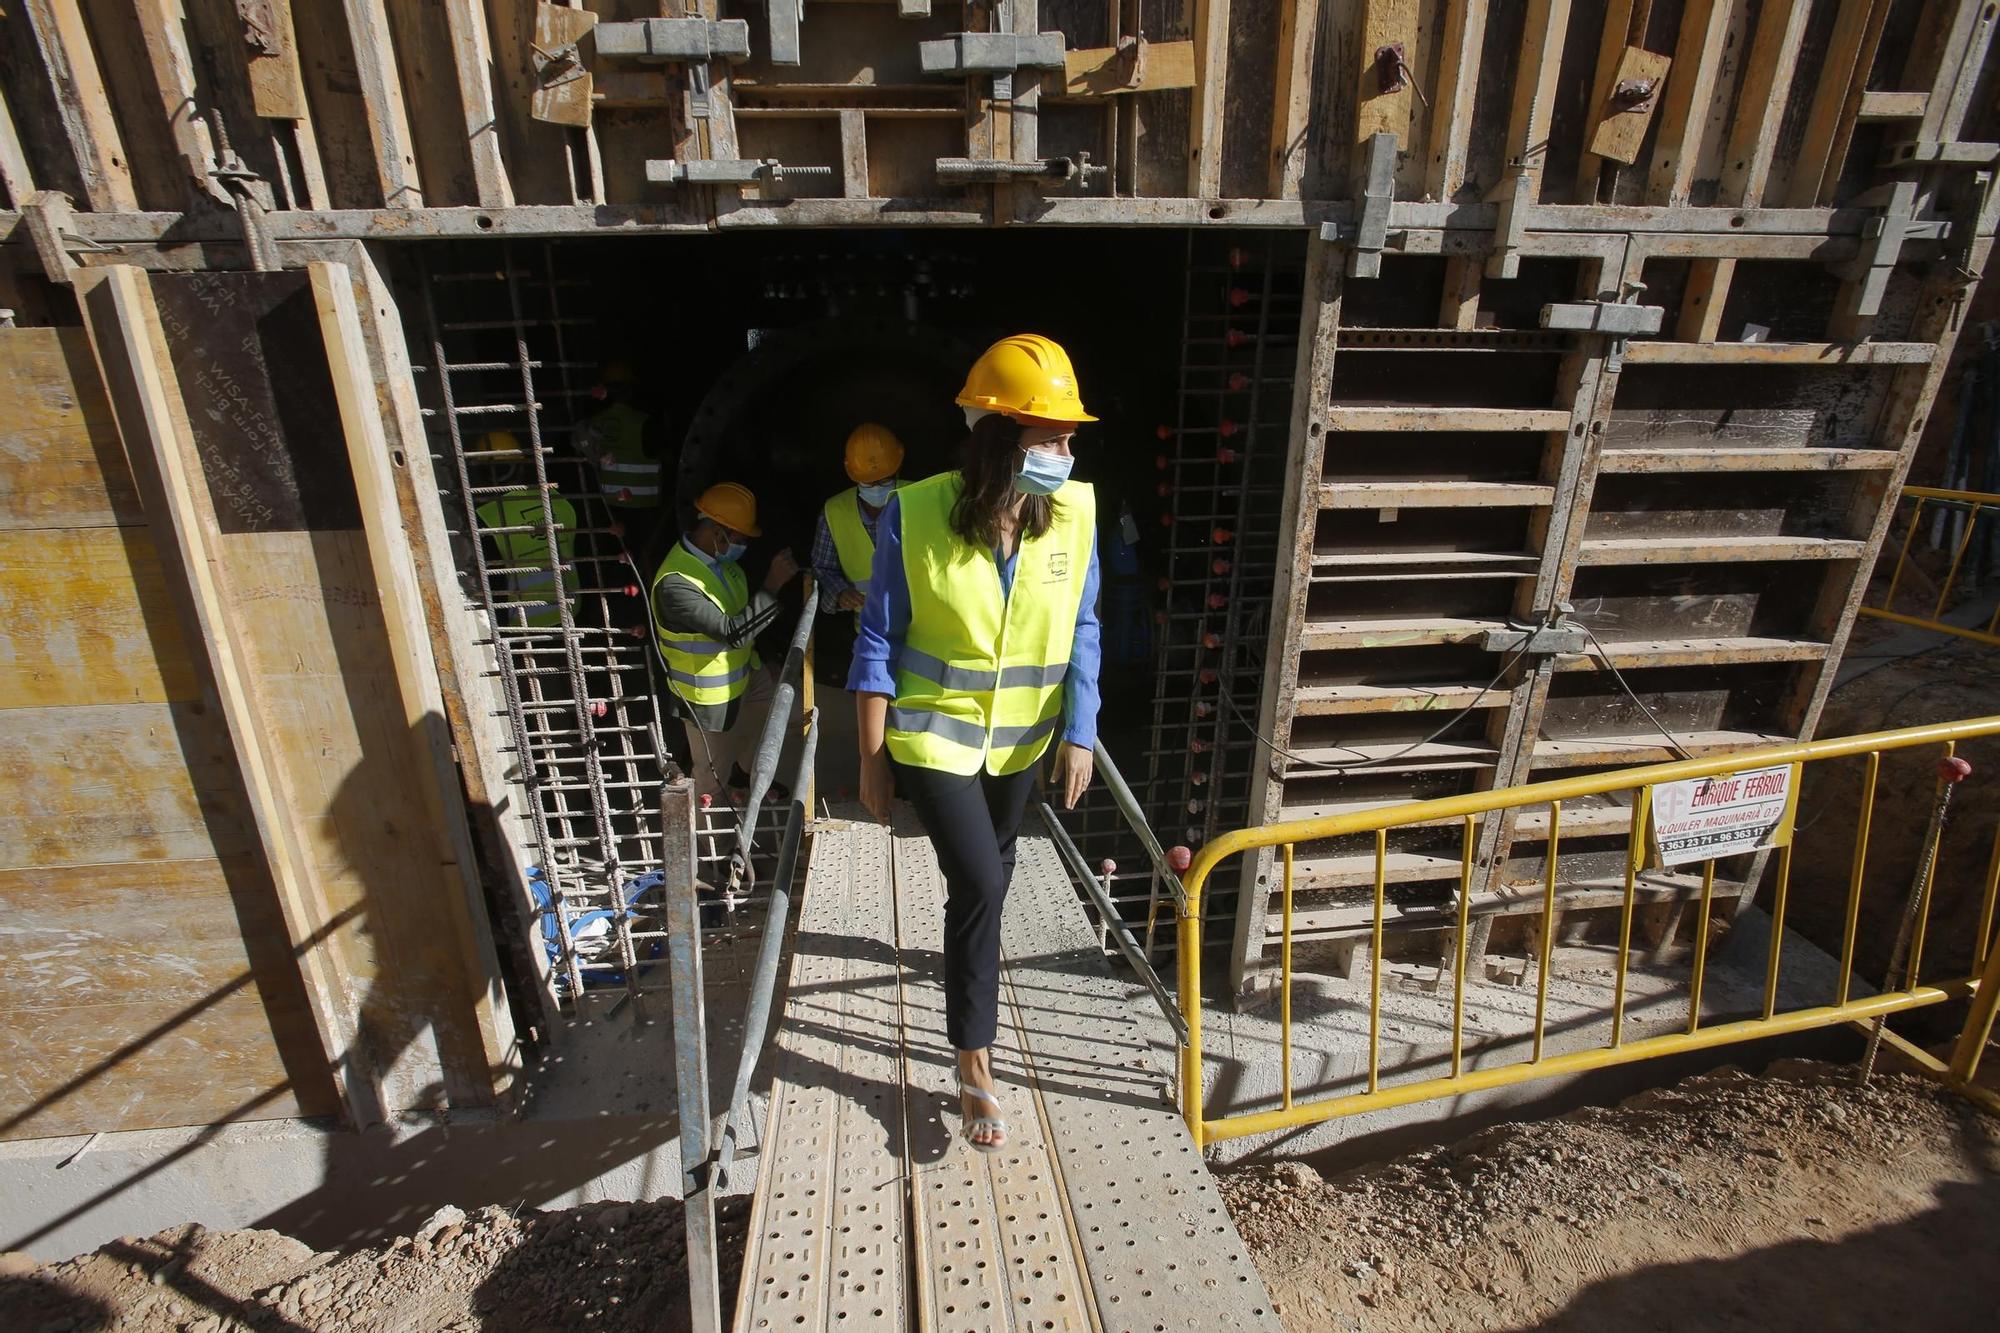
[991, 1123]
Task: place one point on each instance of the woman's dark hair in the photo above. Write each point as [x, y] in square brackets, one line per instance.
[991, 457]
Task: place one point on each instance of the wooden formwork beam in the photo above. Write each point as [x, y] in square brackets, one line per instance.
[1463, 38]
[1527, 130]
[1312, 417]
[1624, 26]
[382, 96]
[1211, 85]
[1291, 103]
[82, 104]
[1746, 164]
[472, 63]
[1691, 87]
[1836, 102]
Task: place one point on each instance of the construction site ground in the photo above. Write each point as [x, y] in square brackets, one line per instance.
[1797, 1199]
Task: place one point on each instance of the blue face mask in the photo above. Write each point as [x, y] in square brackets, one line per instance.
[876, 493]
[1042, 473]
[732, 553]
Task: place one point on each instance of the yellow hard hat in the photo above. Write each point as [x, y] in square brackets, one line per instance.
[499, 442]
[732, 506]
[873, 453]
[1026, 375]
[617, 372]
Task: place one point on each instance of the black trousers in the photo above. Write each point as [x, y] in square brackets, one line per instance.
[972, 822]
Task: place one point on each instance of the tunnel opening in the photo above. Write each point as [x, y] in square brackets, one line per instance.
[753, 357]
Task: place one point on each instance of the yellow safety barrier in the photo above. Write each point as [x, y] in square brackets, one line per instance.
[1984, 987]
[1952, 508]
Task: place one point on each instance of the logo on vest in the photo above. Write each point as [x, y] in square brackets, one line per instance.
[1058, 567]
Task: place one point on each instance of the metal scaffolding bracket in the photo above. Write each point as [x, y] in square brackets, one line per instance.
[725, 171]
[663, 41]
[784, 21]
[913, 9]
[1934, 153]
[1616, 320]
[984, 170]
[1882, 238]
[1368, 235]
[1000, 54]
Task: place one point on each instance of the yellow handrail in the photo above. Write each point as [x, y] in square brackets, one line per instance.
[1467, 808]
[1971, 504]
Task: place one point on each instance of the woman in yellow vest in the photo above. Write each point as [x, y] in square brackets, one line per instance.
[978, 648]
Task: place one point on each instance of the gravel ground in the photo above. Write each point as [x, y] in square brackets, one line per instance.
[1729, 1202]
[611, 1267]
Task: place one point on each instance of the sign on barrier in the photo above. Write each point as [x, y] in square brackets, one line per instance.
[1699, 819]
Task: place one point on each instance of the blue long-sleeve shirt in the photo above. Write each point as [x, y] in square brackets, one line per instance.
[885, 620]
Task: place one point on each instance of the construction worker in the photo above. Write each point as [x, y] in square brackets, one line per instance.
[620, 440]
[705, 619]
[514, 523]
[978, 647]
[843, 548]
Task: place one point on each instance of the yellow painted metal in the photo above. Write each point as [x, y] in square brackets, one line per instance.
[1858, 873]
[1285, 981]
[1700, 947]
[1972, 504]
[1458, 950]
[1375, 962]
[1977, 636]
[1574, 1062]
[1903, 554]
[1777, 928]
[1978, 1029]
[1468, 807]
[1957, 558]
[1985, 941]
[1635, 856]
[1554, 859]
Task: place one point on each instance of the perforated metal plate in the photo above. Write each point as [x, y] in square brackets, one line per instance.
[826, 1236]
[1097, 1215]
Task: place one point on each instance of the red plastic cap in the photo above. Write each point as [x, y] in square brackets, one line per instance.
[1220, 566]
[1225, 455]
[1163, 490]
[1107, 867]
[616, 528]
[1209, 678]
[1211, 640]
[1216, 601]
[1166, 520]
[1237, 256]
[1953, 770]
[1236, 337]
[1227, 428]
[1238, 382]
[1223, 536]
[1165, 585]
[624, 492]
[1180, 858]
[631, 590]
[1199, 747]
[1164, 432]
[1161, 462]
[707, 799]
[1239, 297]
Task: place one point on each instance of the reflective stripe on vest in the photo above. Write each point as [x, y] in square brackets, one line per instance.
[525, 554]
[615, 440]
[851, 537]
[702, 670]
[979, 677]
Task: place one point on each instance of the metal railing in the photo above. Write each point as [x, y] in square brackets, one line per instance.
[1906, 992]
[1955, 519]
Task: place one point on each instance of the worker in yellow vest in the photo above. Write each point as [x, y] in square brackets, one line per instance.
[621, 441]
[979, 647]
[515, 524]
[844, 543]
[705, 618]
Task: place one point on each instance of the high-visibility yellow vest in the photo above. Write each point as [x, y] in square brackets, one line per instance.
[979, 679]
[702, 670]
[530, 575]
[615, 440]
[851, 537]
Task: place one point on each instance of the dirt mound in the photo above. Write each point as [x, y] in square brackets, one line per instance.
[610, 1266]
[1729, 1202]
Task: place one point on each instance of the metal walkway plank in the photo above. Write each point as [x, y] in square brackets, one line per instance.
[1159, 1247]
[826, 1234]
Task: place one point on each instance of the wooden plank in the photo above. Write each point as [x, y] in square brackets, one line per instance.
[1685, 102]
[1291, 102]
[1211, 55]
[1384, 23]
[1341, 700]
[61, 465]
[1464, 276]
[118, 783]
[1620, 130]
[1745, 460]
[162, 29]
[1647, 352]
[85, 619]
[1396, 632]
[277, 87]
[82, 103]
[17, 179]
[1432, 494]
[1642, 653]
[1098, 72]
[1528, 122]
[1445, 418]
[454, 898]
[472, 65]
[1647, 747]
[1842, 78]
[131, 350]
[1955, 60]
[853, 153]
[1711, 549]
[382, 100]
[1462, 40]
